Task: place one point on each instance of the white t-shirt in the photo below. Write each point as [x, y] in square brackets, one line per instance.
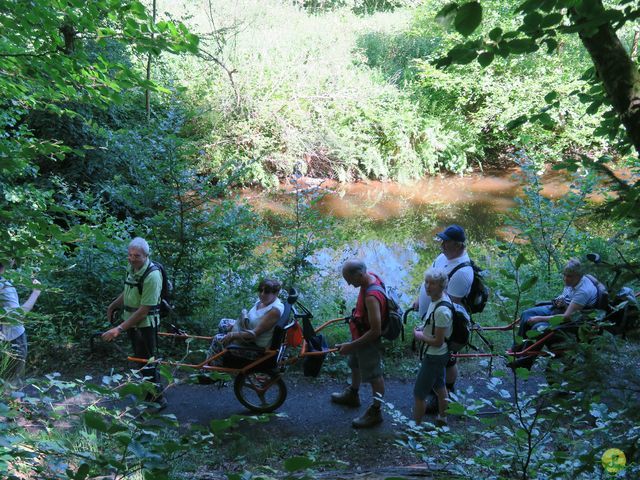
[459, 284]
[9, 301]
[442, 319]
[584, 293]
[255, 315]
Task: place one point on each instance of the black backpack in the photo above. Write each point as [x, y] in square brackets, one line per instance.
[392, 326]
[476, 299]
[167, 287]
[602, 298]
[460, 323]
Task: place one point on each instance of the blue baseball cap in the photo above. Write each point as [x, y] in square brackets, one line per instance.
[452, 232]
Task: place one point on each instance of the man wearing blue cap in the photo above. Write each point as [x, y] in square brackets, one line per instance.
[455, 261]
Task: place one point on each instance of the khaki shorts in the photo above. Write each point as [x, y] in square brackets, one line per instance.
[368, 359]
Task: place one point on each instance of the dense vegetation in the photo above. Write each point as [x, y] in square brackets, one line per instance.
[120, 119]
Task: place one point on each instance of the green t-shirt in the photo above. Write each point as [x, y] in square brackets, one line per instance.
[151, 290]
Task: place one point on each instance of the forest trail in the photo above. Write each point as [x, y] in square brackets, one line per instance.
[308, 410]
[309, 424]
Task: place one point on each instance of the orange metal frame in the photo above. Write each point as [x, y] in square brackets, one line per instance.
[268, 354]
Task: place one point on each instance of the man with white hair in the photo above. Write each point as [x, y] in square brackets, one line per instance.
[579, 293]
[140, 302]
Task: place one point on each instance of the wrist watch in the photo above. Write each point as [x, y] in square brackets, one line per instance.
[120, 329]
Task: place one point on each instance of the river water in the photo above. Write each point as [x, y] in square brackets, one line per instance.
[392, 226]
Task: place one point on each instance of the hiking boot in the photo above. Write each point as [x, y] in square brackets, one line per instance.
[441, 421]
[431, 406]
[370, 418]
[348, 397]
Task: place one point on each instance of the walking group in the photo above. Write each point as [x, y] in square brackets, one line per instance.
[446, 288]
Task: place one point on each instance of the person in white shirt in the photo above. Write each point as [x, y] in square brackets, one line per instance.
[256, 326]
[437, 328]
[457, 265]
[11, 328]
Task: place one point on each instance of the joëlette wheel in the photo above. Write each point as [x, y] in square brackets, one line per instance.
[260, 392]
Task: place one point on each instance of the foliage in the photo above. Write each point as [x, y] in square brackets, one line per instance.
[344, 122]
[612, 78]
[49, 65]
[360, 7]
[549, 226]
[108, 430]
[525, 427]
[544, 24]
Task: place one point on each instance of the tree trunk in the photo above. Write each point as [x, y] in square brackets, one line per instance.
[618, 73]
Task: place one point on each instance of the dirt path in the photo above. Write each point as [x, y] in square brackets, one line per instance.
[308, 409]
[308, 423]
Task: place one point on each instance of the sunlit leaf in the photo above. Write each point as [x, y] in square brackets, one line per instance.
[468, 18]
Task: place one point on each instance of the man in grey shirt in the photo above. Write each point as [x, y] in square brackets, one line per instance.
[11, 328]
[579, 293]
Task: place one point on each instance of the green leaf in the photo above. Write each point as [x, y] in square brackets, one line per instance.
[556, 320]
[594, 107]
[82, 472]
[462, 55]
[495, 34]
[94, 420]
[520, 260]
[522, 45]
[455, 408]
[551, 44]
[468, 18]
[516, 122]
[528, 283]
[532, 20]
[446, 14]
[551, 96]
[218, 426]
[166, 373]
[485, 58]
[523, 373]
[294, 464]
[130, 389]
[123, 438]
[504, 317]
[528, 6]
[551, 20]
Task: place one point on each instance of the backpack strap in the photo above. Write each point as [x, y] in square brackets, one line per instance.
[377, 288]
[155, 309]
[443, 303]
[151, 268]
[458, 267]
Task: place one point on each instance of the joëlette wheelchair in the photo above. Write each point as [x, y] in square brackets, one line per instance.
[617, 316]
[259, 383]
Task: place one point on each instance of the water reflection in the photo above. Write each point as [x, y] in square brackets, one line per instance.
[391, 226]
[393, 262]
